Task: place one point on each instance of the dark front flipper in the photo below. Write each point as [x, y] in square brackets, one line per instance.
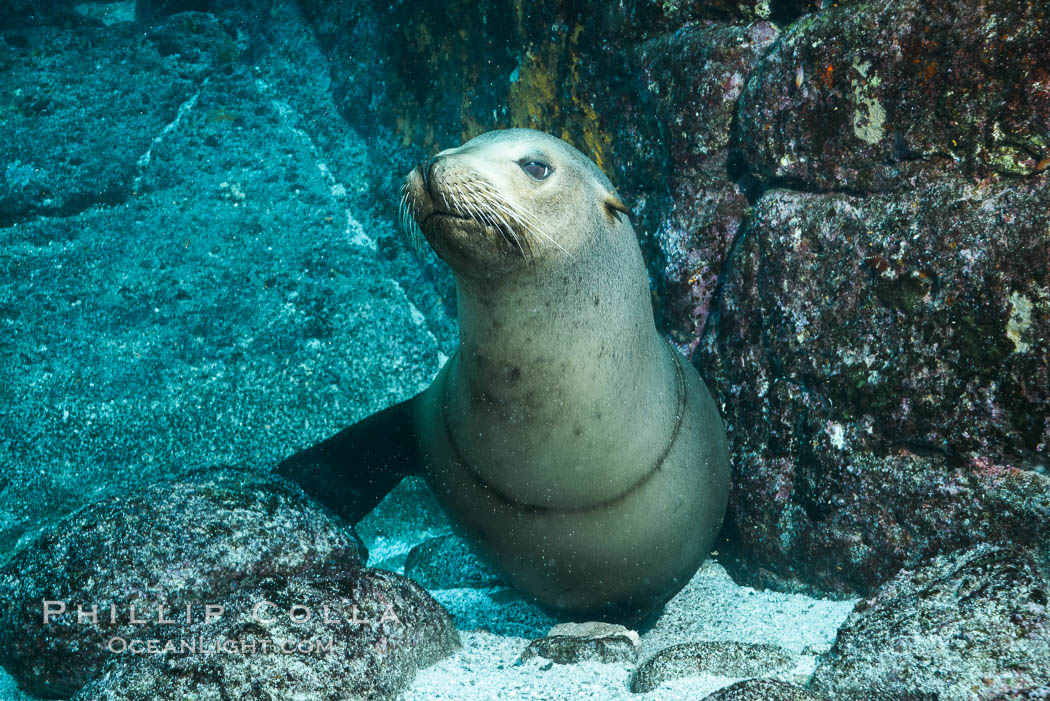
[353, 470]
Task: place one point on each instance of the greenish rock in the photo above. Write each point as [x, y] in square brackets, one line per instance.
[721, 658]
[191, 541]
[248, 296]
[66, 84]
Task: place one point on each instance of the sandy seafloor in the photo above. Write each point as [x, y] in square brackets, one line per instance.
[496, 625]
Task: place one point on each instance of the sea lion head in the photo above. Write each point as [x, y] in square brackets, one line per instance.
[508, 199]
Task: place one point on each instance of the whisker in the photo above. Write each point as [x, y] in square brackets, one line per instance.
[408, 223]
[476, 197]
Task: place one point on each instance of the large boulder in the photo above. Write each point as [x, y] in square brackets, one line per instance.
[969, 625]
[243, 293]
[883, 372]
[884, 95]
[335, 634]
[191, 541]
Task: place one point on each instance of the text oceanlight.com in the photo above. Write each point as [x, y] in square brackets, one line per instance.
[232, 646]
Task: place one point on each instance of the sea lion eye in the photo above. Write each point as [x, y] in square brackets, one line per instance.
[537, 170]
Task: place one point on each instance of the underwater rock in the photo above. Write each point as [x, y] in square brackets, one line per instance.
[447, 562]
[594, 641]
[251, 296]
[355, 633]
[883, 95]
[763, 690]
[670, 153]
[694, 239]
[722, 658]
[972, 624]
[688, 82]
[1034, 692]
[883, 370]
[89, 102]
[190, 541]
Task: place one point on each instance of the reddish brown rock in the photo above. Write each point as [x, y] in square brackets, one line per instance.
[676, 171]
[884, 95]
[883, 372]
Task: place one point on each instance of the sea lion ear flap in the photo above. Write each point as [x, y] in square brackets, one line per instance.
[613, 204]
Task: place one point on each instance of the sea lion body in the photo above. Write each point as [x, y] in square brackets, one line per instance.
[565, 438]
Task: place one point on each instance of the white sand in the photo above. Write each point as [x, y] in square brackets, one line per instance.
[497, 624]
[711, 607]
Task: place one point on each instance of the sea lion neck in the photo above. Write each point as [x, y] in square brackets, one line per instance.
[589, 305]
[550, 373]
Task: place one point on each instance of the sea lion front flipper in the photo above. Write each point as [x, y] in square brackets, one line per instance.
[353, 470]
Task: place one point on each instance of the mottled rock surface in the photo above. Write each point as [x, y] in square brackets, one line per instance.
[883, 371]
[672, 156]
[724, 658]
[55, 159]
[763, 690]
[446, 562]
[245, 292]
[353, 634]
[884, 95]
[194, 540]
[594, 641]
[972, 624]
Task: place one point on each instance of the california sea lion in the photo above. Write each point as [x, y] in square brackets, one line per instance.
[575, 448]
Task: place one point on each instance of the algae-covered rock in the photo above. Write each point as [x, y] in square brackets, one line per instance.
[972, 624]
[884, 95]
[883, 372]
[191, 541]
